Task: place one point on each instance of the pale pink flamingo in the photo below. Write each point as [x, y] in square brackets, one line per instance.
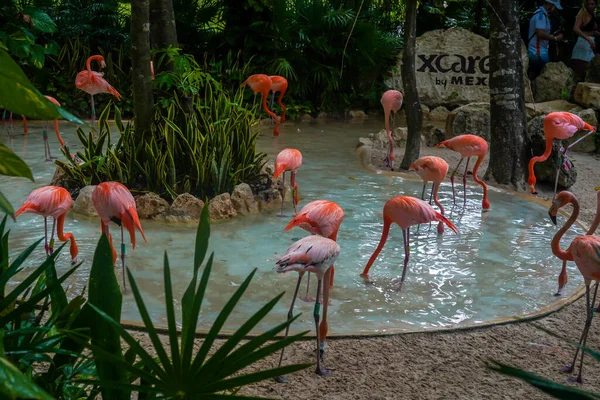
[288, 160]
[45, 133]
[279, 84]
[468, 146]
[558, 125]
[55, 202]
[391, 101]
[92, 82]
[431, 168]
[585, 251]
[405, 211]
[314, 254]
[319, 217]
[114, 202]
[260, 83]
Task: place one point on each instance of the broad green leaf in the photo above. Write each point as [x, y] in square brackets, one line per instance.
[41, 21]
[19, 96]
[12, 165]
[16, 385]
[6, 207]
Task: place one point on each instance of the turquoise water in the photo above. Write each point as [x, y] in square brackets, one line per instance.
[499, 266]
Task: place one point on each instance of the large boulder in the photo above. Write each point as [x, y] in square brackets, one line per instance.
[593, 70]
[433, 135]
[83, 204]
[555, 81]
[588, 95]
[221, 207]
[471, 119]
[440, 113]
[150, 205]
[536, 109]
[546, 171]
[243, 199]
[185, 207]
[452, 68]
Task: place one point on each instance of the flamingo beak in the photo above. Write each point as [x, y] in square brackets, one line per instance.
[103, 64]
[552, 217]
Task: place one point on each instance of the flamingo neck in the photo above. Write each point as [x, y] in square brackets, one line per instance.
[73, 249]
[384, 235]
[88, 63]
[596, 221]
[486, 202]
[543, 157]
[555, 244]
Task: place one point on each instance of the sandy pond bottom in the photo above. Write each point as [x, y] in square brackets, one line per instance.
[499, 266]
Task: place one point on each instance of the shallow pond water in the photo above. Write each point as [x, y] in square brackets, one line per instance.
[499, 266]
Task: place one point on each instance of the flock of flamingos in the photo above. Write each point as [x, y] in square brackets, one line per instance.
[317, 252]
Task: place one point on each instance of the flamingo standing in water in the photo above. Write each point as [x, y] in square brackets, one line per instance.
[468, 146]
[391, 101]
[45, 133]
[288, 160]
[558, 125]
[260, 83]
[319, 217]
[114, 202]
[55, 202]
[585, 251]
[314, 254]
[279, 84]
[405, 211]
[10, 124]
[431, 168]
[92, 82]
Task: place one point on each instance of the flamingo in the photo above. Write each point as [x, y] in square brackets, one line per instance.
[562, 277]
[431, 168]
[10, 124]
[468, 146]
[319, 217]
[585, 251]
[114, 202]
[558, 125]
[260, 83]
[45, 133]
[314, 254]
[288, 160]
[55, 202]
[279, 84]
[92, 82]
[405, 211]
[391, 101]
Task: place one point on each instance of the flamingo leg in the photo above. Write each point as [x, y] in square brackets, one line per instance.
[282, 193]
[406, 238]
[465, 181]
[392, 156]
[93, 111]
[324, 326]
[452, 179]
[271, 106]
[46, 235]
[306, 297]
[331, 278]
[317, 309]
[294, 191]
[281, 378]
[584, 332]
[51, 245]
[123, 260]
[10, 125]
[431, 194]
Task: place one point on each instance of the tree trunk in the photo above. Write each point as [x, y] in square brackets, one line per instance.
[508, 123]
[478, 17]
[163, 30]
[143, 99]
[414, 113]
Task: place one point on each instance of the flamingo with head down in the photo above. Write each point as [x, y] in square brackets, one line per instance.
[391, 101]
[431, 168]
[261, 83]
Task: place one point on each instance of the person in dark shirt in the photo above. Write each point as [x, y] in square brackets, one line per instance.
[586, 28]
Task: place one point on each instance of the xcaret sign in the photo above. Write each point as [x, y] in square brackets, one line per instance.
[454, 69]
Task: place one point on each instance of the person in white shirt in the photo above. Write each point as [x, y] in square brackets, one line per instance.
[539, 37]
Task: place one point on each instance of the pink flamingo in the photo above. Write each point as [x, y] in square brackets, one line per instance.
[114, 202]
[45, 133]
[558, 125]
[92, 82]
[279, 84]
[10, 124]
[288, 160]
[585, 251]
[260, 83]
[55, 202]
[314, 254]
[319, 217]
[391, 101]
[405, 211]
[431, 168]
[468, 146]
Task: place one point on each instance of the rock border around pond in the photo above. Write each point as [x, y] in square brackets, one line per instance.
[244, 200]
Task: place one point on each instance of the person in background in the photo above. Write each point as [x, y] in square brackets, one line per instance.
[586, 28]
[539, 38]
